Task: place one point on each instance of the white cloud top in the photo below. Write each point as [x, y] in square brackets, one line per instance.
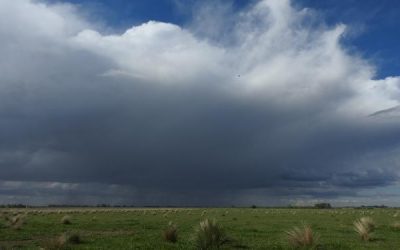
[275, 74]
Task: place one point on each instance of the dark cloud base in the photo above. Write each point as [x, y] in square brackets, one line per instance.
[71, 132]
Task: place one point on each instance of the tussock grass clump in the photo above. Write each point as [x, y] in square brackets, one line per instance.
[53, 244]
[302, 237]
[70, 238]
[369, 222]
[15, 221]
[364, 227]
[210, 235]
[66, 220]
[396, 225]
[62, 241]
[170, 233]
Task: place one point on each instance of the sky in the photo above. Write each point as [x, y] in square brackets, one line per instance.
[199, 103]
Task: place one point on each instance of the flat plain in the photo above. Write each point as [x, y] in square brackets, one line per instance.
[142, 228]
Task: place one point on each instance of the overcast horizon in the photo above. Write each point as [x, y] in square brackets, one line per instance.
[199, 103]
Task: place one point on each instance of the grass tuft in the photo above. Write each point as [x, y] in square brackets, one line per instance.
[369, 222]
[61, 242]
[170, 233]
[364, 227]
[396, 225]
[53, 244]
[302, 237]
[210, 235]
[70, 238]
[66, 220]
[15, 221]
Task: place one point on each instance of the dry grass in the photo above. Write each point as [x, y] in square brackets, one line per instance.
[62, 241]
[66, 220]
[301, 237]
[15, 221]
[210, 235]
[70, 238]
[53, 244]
[396, 225]
[364, 227]
[369, 222]
[170, 233]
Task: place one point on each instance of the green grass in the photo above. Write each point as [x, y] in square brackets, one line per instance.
[246, 228]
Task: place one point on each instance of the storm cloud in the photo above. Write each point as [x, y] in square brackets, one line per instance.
[275, 110]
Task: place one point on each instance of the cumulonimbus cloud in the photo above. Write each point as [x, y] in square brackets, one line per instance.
[278, 106]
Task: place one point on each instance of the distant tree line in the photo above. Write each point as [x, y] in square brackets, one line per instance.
[323, 205]
[373, 206]
[14, 206]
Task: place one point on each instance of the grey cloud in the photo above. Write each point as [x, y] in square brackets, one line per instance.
[159, 114]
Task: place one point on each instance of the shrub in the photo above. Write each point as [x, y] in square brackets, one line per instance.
[364, 227]
[210, 235]
[170, 233]
[301, 237]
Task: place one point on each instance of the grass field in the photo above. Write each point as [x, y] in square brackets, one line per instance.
[245, 228]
